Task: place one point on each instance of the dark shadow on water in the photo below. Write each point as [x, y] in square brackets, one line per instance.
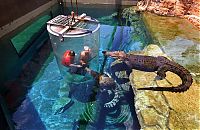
[129, 96]
[118, 6]
[17, 89]
[28, 116]
[114, 112]
[101, 114]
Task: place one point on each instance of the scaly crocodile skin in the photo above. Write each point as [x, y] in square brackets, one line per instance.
[121, 69]
[151, 64]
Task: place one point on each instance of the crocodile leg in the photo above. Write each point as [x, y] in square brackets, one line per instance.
[161, 72]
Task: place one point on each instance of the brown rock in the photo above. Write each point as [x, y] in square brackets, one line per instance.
[173, 8]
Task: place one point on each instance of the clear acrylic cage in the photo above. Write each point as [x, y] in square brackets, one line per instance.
[84, 34]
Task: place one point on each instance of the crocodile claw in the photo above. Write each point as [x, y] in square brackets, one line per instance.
[158, 78]
[64, 108]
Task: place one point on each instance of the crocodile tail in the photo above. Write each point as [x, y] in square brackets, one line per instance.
[157, 88]
[186, 82]
[179, 88]
[185, 76]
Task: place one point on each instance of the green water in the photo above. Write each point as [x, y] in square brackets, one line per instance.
[23, 39]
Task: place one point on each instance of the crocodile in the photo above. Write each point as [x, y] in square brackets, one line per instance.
[159, 64]
[115, 87]
[121, 69]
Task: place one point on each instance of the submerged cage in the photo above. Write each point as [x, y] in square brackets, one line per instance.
[74, 34]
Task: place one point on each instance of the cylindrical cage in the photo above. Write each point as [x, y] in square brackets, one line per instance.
[82, 37]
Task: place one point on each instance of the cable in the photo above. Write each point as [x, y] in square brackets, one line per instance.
[76, 9]
[72, 5]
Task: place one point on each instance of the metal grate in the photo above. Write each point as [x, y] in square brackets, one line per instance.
[62, 20]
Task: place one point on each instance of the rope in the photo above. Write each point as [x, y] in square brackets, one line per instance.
[72, 6]
[76, 9]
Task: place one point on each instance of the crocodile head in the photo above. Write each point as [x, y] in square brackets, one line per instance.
[116, 54]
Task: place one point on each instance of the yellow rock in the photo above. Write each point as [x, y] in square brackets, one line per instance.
[185, 108]
[165, 110]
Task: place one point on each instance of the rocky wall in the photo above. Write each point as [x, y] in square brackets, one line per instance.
[189, 9]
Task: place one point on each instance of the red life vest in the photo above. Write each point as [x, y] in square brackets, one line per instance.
[68, 57]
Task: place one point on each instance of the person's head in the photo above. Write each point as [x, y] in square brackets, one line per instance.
[86, 48]
[72, 13]
[85, 55]
[71, 53]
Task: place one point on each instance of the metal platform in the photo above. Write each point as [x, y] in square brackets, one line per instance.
[70, 26]
[62, 20]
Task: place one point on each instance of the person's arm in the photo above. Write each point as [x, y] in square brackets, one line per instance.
[82, 70]
[93, 73]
